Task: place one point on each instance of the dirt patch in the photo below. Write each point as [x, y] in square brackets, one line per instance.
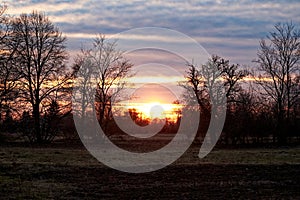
[203, 181]
[72, 173]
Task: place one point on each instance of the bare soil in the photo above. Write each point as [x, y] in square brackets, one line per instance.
[25, 175]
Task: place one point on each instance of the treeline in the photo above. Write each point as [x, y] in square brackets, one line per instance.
[36, 85]
[265, 108]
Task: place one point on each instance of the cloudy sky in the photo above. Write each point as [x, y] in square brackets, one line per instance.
[231, 29]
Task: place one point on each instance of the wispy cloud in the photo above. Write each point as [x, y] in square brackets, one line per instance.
[231, 28]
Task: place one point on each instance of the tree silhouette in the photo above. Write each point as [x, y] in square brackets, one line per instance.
[106, 65]
[202, 78]
[279, 59]
[40, 59]
[213, 84]
[8, 75]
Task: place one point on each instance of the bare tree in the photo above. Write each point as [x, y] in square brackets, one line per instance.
[213, 84]
[279, 59]
[83, 72]
[110, 67]
[202, 79]
[8, 75]
[40, 59]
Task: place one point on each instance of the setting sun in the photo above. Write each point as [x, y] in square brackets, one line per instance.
[156, 110]
[150, 102]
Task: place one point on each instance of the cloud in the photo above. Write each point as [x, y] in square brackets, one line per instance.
[232, 28]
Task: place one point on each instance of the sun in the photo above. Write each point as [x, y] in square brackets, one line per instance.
[156, 110]
[151, 110]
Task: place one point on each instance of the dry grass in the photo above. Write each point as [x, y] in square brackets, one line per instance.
[65, 173]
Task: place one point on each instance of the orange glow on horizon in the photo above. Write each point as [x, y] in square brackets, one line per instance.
[157, 110]
[152, 110]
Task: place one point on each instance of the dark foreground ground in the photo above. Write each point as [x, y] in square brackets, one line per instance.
[27, 173]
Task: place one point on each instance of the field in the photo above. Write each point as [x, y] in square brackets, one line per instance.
[72, 173]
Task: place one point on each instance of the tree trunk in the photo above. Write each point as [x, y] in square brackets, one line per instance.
[280, 128]
[37, 123]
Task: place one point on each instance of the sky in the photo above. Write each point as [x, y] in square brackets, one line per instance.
[231, 29]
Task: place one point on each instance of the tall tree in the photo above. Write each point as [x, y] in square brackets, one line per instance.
[201, 79]
[107, 66]
[210, 83]
[8, 75]
[41, 56]
[279, 59]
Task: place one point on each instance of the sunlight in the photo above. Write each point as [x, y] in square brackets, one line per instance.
[156, 110]
[153, 110]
